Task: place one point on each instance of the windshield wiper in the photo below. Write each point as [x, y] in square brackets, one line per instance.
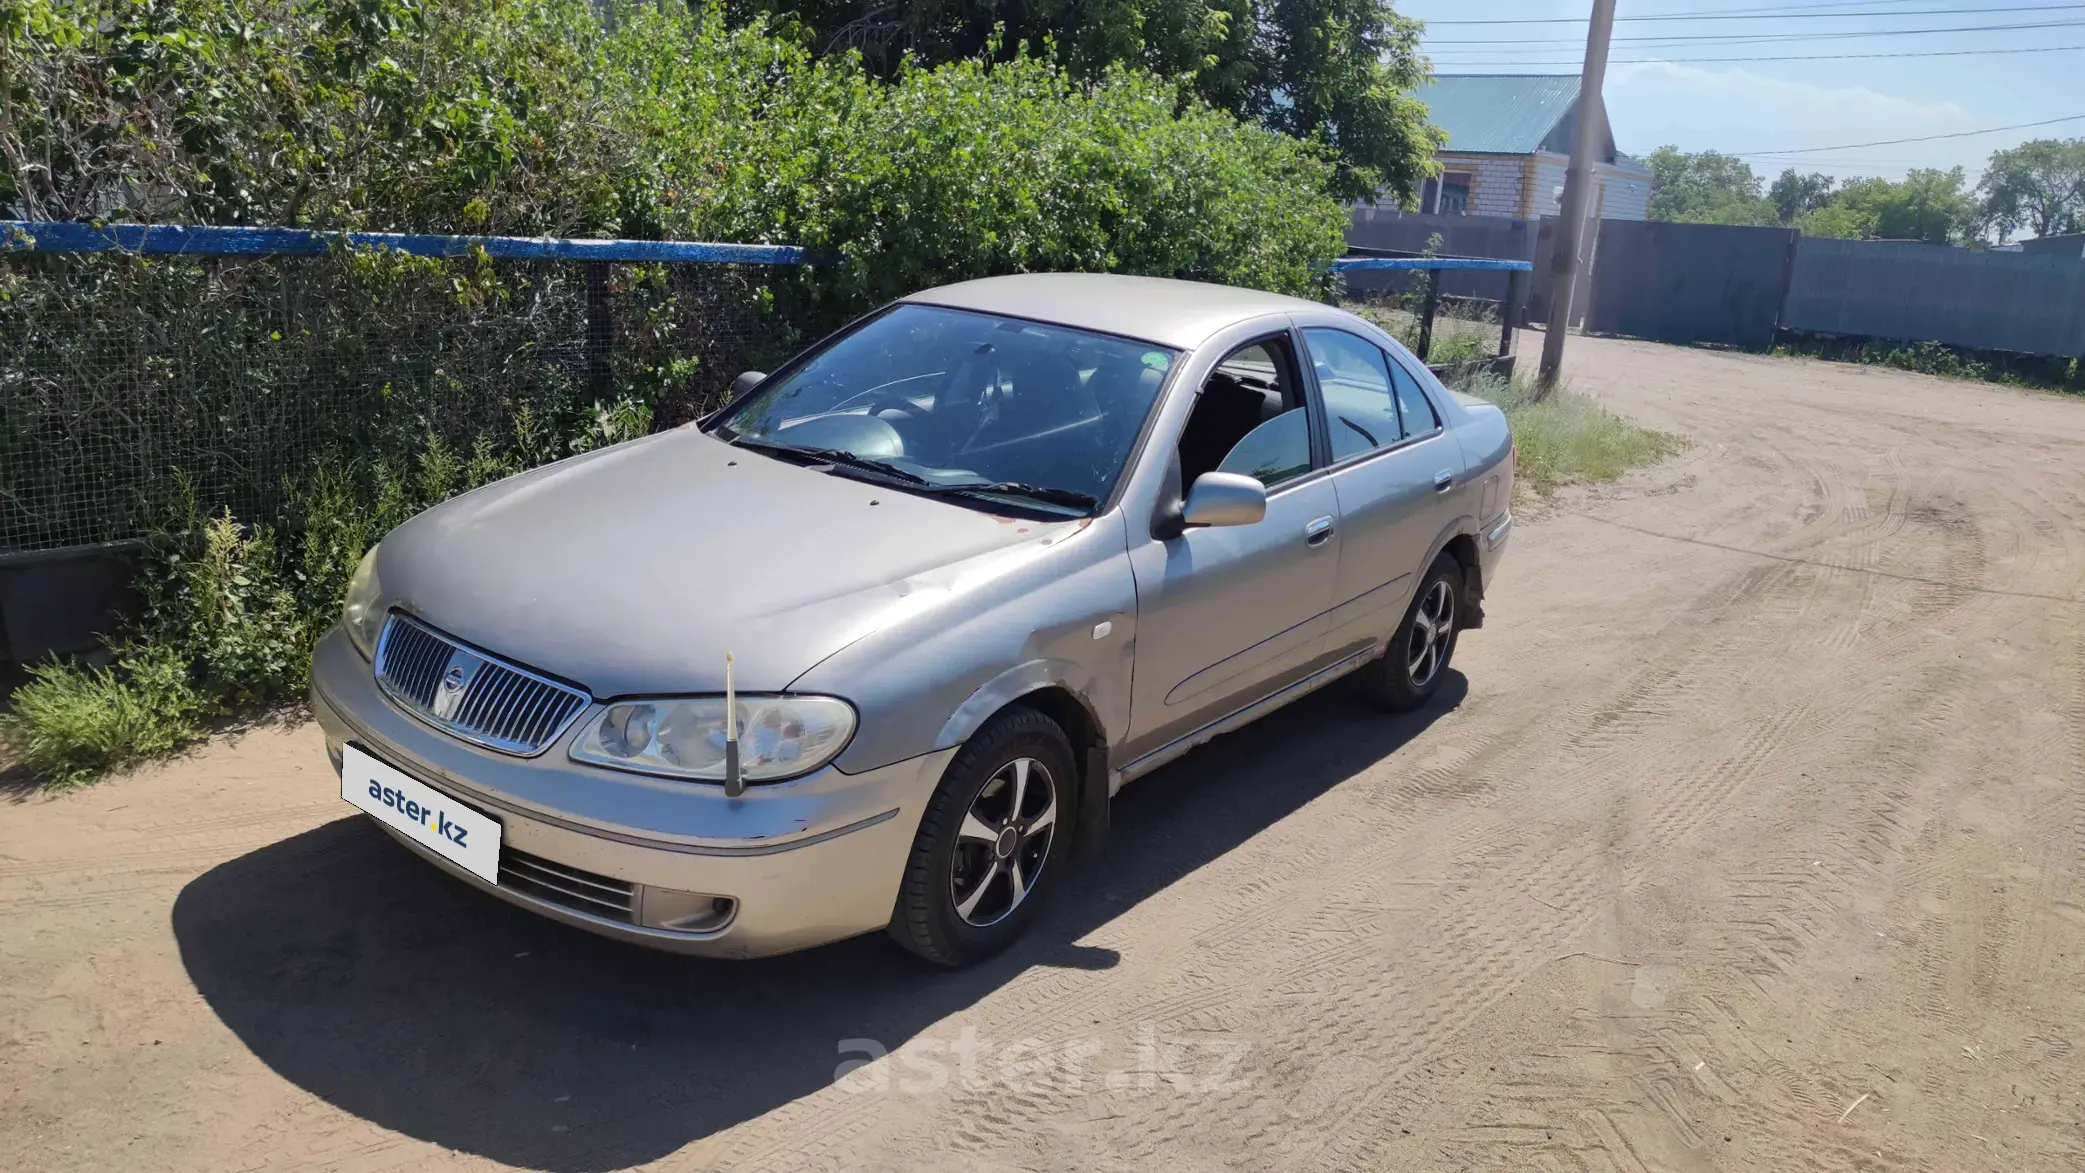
[1047, 494]
[833, 456]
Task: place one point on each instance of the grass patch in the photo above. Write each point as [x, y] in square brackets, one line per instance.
[1463, 330]
[1568, 438]
[231, 613]
[1935, 358]
[72, 723]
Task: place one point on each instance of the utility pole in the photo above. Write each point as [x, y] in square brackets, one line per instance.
[1578, 184]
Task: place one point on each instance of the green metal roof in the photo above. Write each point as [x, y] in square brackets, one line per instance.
[1502, 114]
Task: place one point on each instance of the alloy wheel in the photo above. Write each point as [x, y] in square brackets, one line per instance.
[1433, 624]
[1003, 842]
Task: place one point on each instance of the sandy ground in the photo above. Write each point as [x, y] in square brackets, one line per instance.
[1748, 838]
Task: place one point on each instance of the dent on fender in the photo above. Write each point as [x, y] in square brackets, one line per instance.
[1010, 686]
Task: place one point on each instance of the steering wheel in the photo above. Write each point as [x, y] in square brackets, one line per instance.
[885, 403]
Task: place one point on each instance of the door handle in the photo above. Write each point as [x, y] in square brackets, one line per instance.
[1443, 480]
[1318, 532]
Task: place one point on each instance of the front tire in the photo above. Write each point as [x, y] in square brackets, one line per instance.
[1411, 669]
[991, 843]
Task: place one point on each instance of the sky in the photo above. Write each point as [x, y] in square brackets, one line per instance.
[1776, 113]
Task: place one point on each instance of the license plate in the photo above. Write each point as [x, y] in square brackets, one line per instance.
[425, 815]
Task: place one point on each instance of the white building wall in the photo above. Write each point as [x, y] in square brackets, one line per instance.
[1625, 192]
[1549, 182]
[1495, 187]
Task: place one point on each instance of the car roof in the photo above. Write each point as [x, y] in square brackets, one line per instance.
[1172, 313]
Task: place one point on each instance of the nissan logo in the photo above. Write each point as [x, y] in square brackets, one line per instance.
[456, 681]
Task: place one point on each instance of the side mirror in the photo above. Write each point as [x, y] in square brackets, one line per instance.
[746, 382]
[1225, 498]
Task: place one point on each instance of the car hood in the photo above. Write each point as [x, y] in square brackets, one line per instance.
[633, 570]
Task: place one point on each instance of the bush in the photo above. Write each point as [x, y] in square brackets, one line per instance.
[2052, 373]
[71, 723]
[231, 613]
[311, 405]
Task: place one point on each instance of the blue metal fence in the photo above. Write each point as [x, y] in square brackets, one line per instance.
[179, 240]
[1510, 306]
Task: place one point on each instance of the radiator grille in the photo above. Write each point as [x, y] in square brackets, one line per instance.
[472, 694]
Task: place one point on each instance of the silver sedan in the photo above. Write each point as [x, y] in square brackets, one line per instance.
[874, 646]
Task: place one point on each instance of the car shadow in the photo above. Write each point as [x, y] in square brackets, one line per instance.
[392, 992]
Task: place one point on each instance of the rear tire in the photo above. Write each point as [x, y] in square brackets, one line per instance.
[991, 843]
[1411, 669]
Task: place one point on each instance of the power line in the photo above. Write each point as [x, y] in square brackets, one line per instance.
[1804, 57]
[1846, 34]
[1759, 14]
[1924, 138]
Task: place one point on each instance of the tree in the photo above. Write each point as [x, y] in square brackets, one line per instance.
[1838, 218]
[1705, 188]
[1340, 71]
[1928, 204]
[2038, 186]
[1796, 195]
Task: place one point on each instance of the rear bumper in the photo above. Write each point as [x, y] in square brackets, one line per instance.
[666, 864]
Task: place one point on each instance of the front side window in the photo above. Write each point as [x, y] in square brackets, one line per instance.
[970, 405]
[1354, 380]
[1249, 418]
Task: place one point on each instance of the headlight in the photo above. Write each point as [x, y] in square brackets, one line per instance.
[778, 736]
[361, 614]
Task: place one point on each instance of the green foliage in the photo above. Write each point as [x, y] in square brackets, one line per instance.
[231, 613]
[72, 723]
[1565, 438]
[325, 400]
[969, 170]
[1838, 219]
[1796, 195]
[2037, 186]
[1706, 188]
[1343, 71]
[1335, 70]
[537, 117]
[1937, 358]
[1928, 204]
[1710, 188]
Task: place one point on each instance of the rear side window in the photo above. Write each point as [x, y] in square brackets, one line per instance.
[1354, 378]
[1413, 407]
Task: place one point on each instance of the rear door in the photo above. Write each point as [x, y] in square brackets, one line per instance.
[1394, 469]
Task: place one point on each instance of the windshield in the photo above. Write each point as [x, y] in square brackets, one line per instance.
[965, 404]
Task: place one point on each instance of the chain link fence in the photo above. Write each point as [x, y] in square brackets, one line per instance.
[148, 373]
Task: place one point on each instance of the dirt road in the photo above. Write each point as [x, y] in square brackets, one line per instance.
[1751, 839]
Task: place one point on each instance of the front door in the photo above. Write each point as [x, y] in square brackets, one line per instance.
[1227, 615]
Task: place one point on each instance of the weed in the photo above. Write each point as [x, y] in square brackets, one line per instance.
[1567, 438]
[231, 612]
[1937, 358]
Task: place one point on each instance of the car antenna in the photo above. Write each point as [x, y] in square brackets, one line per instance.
[734, 780]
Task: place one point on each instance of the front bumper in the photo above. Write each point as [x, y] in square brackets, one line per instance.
[787, 866]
